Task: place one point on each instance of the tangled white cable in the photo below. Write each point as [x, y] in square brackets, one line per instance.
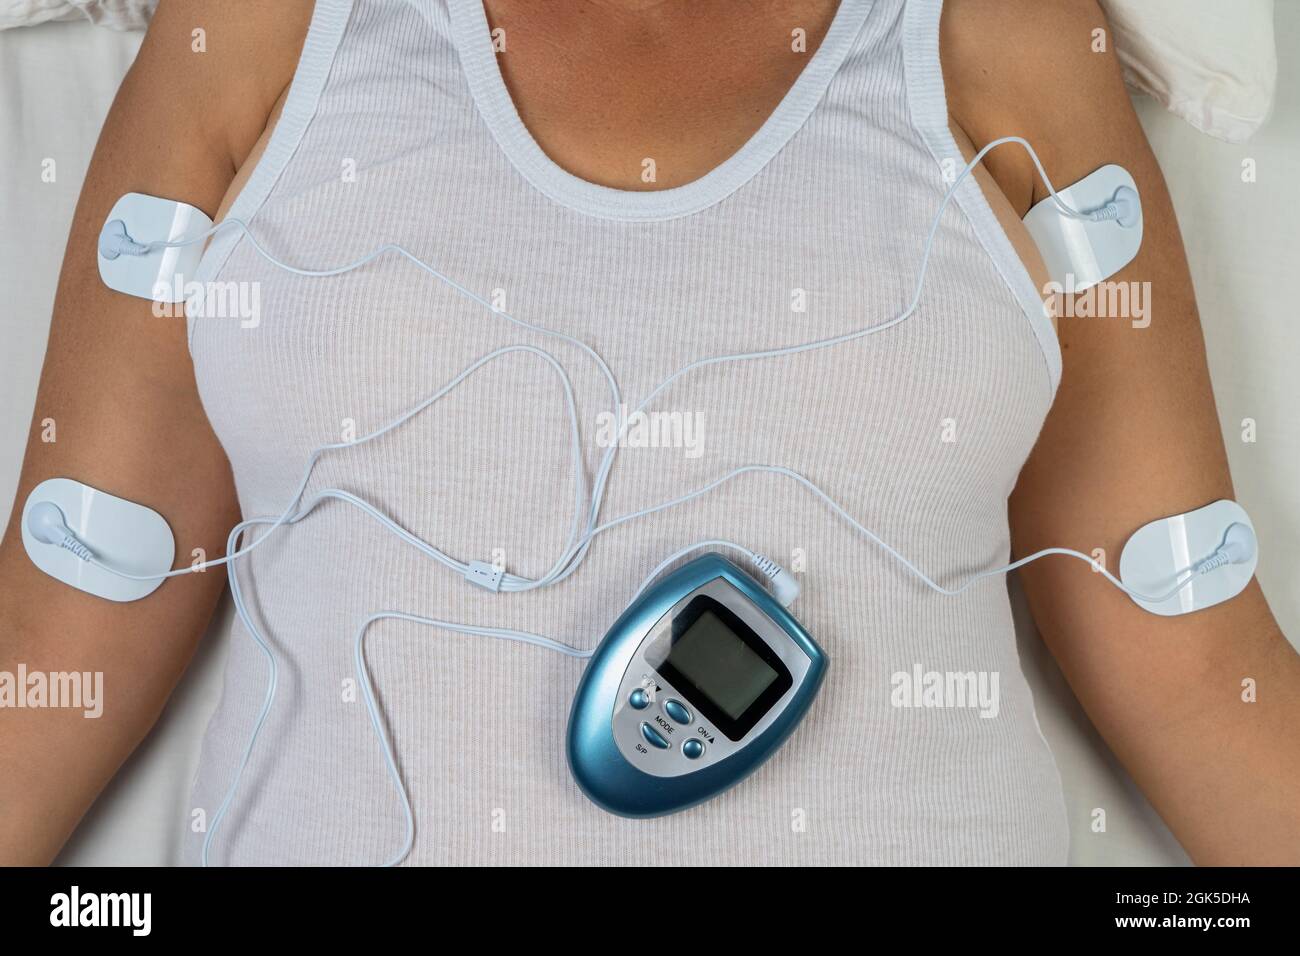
[586, 524]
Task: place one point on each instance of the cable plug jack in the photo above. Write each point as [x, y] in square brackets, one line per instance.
[1238, 547]
[115, 241]
[784, 585]
[1124, 209]
[46, 523]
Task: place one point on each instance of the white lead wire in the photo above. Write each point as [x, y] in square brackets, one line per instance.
[579, 542]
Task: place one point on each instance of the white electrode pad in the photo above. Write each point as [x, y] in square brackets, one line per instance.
[162, 274]
[1078, 253]
[1158, 555]
[119, 533]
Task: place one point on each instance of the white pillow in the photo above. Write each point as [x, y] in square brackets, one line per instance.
[1214, 63]
[115, 14]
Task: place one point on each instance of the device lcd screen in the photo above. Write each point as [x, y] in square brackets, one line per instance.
[721, 665]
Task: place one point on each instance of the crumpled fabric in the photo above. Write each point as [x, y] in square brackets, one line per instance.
[114, 14]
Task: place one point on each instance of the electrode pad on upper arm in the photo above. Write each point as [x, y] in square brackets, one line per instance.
[1081, 250]
[151, 270]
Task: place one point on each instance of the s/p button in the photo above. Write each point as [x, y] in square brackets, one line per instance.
[653, 737]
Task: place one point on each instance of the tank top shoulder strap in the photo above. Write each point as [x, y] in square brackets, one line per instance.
[928, 106]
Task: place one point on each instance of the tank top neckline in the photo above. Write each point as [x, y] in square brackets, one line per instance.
[471, 36]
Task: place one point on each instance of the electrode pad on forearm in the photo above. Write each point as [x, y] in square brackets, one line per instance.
[96, 542]
[1209, 555]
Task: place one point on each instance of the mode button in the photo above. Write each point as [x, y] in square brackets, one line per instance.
[677, 711]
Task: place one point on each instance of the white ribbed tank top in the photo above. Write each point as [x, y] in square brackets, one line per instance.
[813, 228]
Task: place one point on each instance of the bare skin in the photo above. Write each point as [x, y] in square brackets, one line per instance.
[119, 384]
[602, 84]
[1133, 435]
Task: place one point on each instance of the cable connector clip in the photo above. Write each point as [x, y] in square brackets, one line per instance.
[484, 575]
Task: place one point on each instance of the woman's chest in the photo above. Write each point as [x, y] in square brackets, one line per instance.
[680, 359]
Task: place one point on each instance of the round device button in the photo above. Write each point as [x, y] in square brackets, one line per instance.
[638, 699]
[693, 749]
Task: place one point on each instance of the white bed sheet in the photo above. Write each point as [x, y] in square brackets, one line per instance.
[59, 79]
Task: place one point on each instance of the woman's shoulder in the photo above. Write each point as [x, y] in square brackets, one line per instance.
[1046, 71]
[226, 65]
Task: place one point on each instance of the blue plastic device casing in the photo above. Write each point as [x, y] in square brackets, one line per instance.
[602, 772]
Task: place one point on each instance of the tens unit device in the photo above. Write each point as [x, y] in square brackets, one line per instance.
[698, 682]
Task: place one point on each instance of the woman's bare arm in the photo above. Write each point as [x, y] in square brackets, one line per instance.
[1133, 436]
[119, 386]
